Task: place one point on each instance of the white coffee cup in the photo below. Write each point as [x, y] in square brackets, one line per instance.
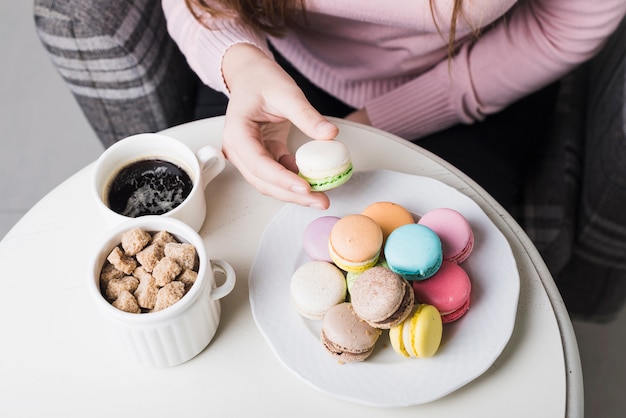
[202, 167]
[179, 332]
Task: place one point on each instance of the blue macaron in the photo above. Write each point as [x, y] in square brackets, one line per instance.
[413, 251]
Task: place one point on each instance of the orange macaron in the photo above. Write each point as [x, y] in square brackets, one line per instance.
[355, 243]
[388, 215]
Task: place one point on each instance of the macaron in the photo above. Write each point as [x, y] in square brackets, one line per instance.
[381, 297]
[351, 276]
[419, 335]
[413, 251]
[448, 290]
[388, 215]
[355, 243]
[455, 232]
[324, 164]
[317, 286]
[315, 237]
[346, 336]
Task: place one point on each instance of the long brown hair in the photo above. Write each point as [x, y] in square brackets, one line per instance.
[269, 16]
[275, 16]
[456, 12]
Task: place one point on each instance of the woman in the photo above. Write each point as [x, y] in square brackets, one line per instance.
[423, 70]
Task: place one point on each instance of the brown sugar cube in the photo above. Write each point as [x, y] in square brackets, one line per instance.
[150, 256]
[146, 292]
[162, 238]
[135, 240]
[116, 286]
[108, 273]
[141, 272]
[184, 254]
[169, 295]
[127, 302]
[121, 261]
[165, 271]
[188, 278]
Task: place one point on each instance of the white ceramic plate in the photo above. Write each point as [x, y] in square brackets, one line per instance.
[386, 379]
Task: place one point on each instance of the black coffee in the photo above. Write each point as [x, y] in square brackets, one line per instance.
[148, 187]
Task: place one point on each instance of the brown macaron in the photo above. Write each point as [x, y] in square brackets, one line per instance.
[381, 297]
[346, 336]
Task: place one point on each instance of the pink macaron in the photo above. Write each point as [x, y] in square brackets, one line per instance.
[455, 232]
[315, 238]
[448, 290]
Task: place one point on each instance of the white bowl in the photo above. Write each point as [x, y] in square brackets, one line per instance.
[175, 334]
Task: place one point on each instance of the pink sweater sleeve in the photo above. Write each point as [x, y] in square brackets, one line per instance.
[538, 42]
[204, 48]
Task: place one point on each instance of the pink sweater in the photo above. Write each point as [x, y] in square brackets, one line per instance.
[389, 58]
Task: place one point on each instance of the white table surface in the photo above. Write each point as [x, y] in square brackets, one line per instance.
[56, 361]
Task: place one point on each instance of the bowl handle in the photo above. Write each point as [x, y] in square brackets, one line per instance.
[228, 285]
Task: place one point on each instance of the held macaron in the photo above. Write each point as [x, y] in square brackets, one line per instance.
[414, 251]
[324, 164]
[315, 237]
[419, 335]
[381, 297]
[316, 287]
[455, 232]
[448, 290]
[346, 336]
[355, 243]
[388, 215]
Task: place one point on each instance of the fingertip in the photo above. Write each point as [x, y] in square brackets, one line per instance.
[312, 123]
[315, 200]
[321, 201]
[319, 206]
[326, 130]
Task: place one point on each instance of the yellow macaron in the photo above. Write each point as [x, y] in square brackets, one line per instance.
[420, 333]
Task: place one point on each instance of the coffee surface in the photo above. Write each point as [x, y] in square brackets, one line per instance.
[148, 187]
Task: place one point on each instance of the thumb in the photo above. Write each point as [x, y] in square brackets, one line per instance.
[306, 118]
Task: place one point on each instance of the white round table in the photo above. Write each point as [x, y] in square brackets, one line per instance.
[56, 361]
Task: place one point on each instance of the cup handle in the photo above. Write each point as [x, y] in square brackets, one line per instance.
[212, 162]
[228, 285]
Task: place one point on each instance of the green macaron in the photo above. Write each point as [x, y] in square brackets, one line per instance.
[324, 164]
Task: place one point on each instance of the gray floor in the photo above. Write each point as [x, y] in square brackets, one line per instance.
[45, 139]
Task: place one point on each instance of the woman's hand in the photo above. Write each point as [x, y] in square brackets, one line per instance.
[264, 99]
